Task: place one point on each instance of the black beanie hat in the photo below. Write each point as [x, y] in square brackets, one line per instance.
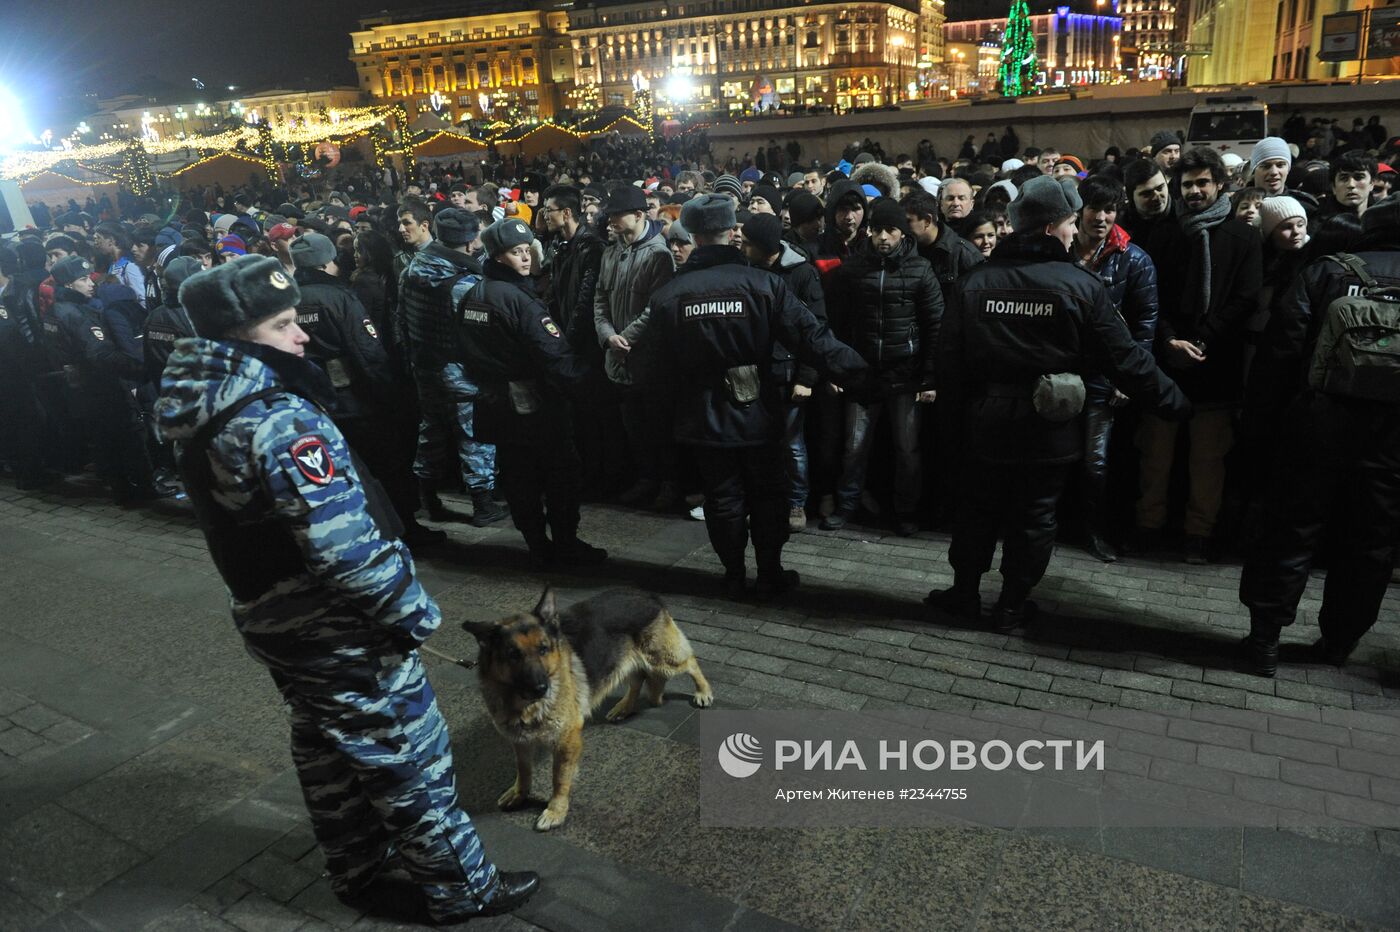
[803, 207]
[769, 194]
[239, 292]
[765, 231]
[887, 214]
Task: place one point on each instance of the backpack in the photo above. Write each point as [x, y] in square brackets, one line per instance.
[1357, 354]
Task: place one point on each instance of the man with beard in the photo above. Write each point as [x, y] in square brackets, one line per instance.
[1200, 339]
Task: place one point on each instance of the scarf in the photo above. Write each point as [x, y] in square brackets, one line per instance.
[1197, 227]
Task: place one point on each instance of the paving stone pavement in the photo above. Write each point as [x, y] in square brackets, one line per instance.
[145, 779]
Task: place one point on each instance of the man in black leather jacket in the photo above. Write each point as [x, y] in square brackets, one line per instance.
[1028, 313]
[1338, 461]
[715, 325]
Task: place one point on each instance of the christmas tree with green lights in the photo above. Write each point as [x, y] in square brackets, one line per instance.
[1017, 74]
[136, 171]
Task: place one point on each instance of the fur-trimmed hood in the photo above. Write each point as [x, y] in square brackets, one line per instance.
[885, 177]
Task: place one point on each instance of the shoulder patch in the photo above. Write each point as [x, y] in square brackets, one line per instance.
[369, 328]
[550, 327]
[97, 332]
[4, 314]
[313, 459]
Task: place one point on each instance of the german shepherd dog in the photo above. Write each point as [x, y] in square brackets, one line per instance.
[544, 672]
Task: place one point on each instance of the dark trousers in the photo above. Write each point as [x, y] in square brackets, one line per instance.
[21, 427]
[1016, 502]
[1338, 462]
[386, 442]
[541, 485]
[740, 483]
[113, 422]
[646, 413]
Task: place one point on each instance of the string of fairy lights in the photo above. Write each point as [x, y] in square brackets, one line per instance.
[267, 142]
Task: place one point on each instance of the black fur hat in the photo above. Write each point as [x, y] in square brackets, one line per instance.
[237, 293]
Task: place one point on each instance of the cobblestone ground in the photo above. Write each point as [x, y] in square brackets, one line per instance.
[145, 780]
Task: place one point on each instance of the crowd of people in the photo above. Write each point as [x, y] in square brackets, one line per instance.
[1156, 339]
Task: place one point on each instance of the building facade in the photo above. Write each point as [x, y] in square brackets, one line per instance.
[1071, 48]
[1238, 38]
[511, 59]
[738, 55]
[1150, 36]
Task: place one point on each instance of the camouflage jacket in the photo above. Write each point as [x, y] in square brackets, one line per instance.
[341, 596]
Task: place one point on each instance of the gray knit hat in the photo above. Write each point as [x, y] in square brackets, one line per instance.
[677, 233]
[505, 235]
[456, 227]
[242, 291]
[708, 213]
[179, 269]
[1270, 147]
[1042, 201]
[312, 251]
[1161, 140]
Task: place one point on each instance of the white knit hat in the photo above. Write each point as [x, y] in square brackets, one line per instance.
[1275, 210]
[930, 184]
[1270, 147]
[1010, 165]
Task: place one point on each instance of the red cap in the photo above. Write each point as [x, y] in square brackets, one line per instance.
[356, 211]
[282, 231]
[1384, 168]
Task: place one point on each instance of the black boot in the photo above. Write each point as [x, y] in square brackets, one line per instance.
[1330, 652]
[513, 889]
[962, 600]
[432, 504]
[574, 552]
[418, 535]
[1258, 650]
[486, 510]
[1100, 549]
[1097, 546]
[1013, 609]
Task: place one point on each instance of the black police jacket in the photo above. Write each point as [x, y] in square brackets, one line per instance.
[1280, 370]
[164, 326]
[717, 318]
[344, 342]
[951, 256]
[92, 364]
[516, 354]
[889, 308]
[1030, 311]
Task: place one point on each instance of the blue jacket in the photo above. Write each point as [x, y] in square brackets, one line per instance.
[1130, 278]
[319, 590]
[435, 279]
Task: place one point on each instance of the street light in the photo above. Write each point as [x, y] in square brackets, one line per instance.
[181, 115]
[898, 43]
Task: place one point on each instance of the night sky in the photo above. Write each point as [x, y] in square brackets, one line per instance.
[51, 50]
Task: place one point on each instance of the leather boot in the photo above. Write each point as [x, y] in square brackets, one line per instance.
[486, 510]
[432, 504]
[1258, 651]
[1097, 545]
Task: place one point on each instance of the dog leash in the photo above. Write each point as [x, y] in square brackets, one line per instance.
[464, 664]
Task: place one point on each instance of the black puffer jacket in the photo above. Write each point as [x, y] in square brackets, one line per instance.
[889, 308]
[1030, 311]
[1131, 280]
[344, 342]
[517, 355]
[718, 315]
[951, 256]
[572, 266]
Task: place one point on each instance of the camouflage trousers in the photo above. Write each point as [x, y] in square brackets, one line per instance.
[376, 774]
[446, 400]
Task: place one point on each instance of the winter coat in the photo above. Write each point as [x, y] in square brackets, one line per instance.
[573, 266]
[1131, 280]
[889, 309]
[433, 281]
[93, 366]
[321, 588]
[517, 355]
[950, 255]
[806, 286]
[1236, 275]
[164, 326]
[628, 275]
[344, 342]
[831, 244]
[717, 318]
[1030, 311]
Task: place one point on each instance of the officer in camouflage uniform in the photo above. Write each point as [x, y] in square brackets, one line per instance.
[325, 595]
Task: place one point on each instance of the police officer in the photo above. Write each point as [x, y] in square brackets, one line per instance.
[168, 322]
[1337, 459]
[343, 341]
[21, 418]
[716, 324]
[324, 594]
[525, 369]
[1021, 331]
[94, 368]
